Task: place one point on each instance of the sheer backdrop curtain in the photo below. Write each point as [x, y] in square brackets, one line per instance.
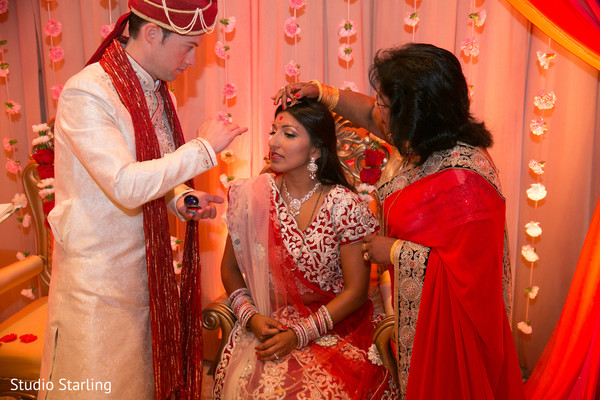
[505, 75]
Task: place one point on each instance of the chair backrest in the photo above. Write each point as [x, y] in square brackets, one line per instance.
[42, 233]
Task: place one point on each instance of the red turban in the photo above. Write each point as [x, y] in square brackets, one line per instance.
[185, 17]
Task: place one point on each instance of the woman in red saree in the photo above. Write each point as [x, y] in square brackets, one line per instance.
[443, 226]
[294, 270]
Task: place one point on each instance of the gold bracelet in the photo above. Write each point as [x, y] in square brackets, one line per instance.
[331, 96]
[395, 252]
[316, 82]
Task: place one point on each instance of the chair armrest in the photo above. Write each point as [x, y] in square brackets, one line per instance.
[19, 272]
[218, 315]
[383, 337]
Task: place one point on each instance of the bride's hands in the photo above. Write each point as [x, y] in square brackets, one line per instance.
[277, 346]
[264, 327]
[289, 94]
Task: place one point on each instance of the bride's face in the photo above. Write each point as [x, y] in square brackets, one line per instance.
[289, 147]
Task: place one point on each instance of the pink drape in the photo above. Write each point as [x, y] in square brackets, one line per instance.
[505, 77]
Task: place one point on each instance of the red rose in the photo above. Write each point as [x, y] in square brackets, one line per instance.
[48, 206]
[45, 171]
[28, 338]
[44, 156]
[373, 158]
[8, 338]
[370, 175]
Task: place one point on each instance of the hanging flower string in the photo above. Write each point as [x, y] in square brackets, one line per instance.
[105, 30]
[543, 101]
[292, 30]
[53, 30]
[346, 30]
[470, 46]
[411, 19]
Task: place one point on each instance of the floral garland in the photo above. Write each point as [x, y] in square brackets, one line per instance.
[470, 46]
[544, 101]
[346, 31]
[374, 161]
[43, 153]
[291, 28]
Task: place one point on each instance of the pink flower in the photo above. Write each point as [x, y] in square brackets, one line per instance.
[4, 70]
[56, 54]
[545, 101]
[411, 18]
[292, 69]
[19, 200]
[12, 166]
[3, 6]
[538, 126]
[105, 30]
[296, 4]
[470, 46]
[230, 91]
[228, 24]
[177, 267]
[345, 52]
[291, 28]
[26, 221]
[478, 18]
[9, 144]
[56, 90]
[53, 28]
[28, 293]
[545, 58]
[349, 85]
[524, 327]
[226, 118]
[12, 107]
[228, 156]
[221, 50]
[347, 28]
[226, 180]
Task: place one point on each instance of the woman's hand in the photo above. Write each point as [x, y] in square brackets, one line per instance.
[289, 95]
[264, 327]
[277, 346]
[376, 249]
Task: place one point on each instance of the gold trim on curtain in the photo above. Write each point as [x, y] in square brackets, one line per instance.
[530, 12]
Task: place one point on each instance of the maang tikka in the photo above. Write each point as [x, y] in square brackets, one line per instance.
[312, 168]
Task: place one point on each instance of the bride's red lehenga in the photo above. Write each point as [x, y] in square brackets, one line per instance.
[291, 273]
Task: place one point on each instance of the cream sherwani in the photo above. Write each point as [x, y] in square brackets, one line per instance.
[98, 332]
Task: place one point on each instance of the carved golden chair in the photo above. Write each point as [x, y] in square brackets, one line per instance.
[352, 143]
[20, 362]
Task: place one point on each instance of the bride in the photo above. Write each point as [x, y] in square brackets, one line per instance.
[295, 275]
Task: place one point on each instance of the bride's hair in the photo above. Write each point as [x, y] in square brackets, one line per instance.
[319, 123]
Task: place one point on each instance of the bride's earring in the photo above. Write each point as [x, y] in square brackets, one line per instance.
[312, 168]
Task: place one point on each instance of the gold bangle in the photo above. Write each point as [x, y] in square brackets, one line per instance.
[316, 82]
[331, 96]
[395, 252]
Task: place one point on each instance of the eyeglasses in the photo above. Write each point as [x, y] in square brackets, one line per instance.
[379, 102]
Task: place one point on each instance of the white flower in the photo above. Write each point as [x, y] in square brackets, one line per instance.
[27, 221]
[40, 140]
[364, 191]
[19, 200]
[544, 101]
[536, 192]
[537, 167]
[227, 156]
[545, 58]
[44, 193]
[175, 243]
[524, 327]
[528, 252]
[21, 256]
[533, 229]
[44, 183]
[28, 293]
[349, 85]
[478, 18]
[532, 292]
[538, 126]
[226, 180]
[40, 128]
[177, 267]
[411, 18]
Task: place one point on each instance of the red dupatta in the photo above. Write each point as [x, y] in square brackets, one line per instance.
[463, 346]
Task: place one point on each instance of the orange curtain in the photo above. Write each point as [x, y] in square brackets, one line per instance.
[575, 24]
[570, 365]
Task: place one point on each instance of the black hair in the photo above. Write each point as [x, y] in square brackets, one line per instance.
[429, 108]
[135, 24]
[318, 122]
